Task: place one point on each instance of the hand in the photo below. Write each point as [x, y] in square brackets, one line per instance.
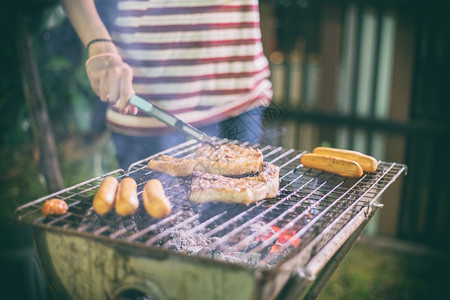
[111, 79]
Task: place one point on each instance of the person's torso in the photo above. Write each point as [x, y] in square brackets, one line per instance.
[201, 60]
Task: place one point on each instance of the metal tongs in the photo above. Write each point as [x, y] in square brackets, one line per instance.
[169, 119]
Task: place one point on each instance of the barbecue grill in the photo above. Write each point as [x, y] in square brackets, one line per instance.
[280, 248]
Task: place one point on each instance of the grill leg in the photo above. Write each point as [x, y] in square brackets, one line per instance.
[301, 288]
[325, 275]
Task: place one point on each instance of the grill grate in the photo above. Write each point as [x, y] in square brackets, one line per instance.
[311, 207]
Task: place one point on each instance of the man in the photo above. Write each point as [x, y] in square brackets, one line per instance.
[200, 60]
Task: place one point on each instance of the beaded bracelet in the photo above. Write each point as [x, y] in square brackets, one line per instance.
[96, 41]
[100, 55]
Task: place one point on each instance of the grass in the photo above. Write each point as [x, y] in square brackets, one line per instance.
[373, 271]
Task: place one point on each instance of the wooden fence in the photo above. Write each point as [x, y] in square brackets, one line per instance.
[371, 76]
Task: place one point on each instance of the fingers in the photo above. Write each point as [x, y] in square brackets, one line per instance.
[109, 84]
[104, 86]
[126, 90]
[114, 85]
[111, 79]
[133, 109]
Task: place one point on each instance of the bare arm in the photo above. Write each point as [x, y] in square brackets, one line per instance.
[88, 24]
[110, 77]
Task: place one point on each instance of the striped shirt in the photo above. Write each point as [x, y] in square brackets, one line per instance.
[200, 60]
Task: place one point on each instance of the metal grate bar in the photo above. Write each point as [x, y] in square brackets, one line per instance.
[336, 220]
[153, 226]
[274, 237]
[34, 208]
[244, 213]
[311, 205]
[167, 232]
[243, 226]
[201, 226]
[155, 239]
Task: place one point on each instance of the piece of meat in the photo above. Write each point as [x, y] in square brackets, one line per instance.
[105, 197]
[173, 166]
[154, 198]
[227, 159]
[207, 187]
[54, 206]
[367, 163]
[127, 201]
[336, 165]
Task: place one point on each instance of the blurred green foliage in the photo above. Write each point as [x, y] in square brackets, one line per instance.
[59, 56]
[70, 102]
[373, 272]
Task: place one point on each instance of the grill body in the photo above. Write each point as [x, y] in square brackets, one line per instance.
[273, 248]
[77, 267]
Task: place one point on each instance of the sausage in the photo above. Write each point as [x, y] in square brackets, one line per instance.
[335, 165]
[126, 198]
[55, 207]
[155, 200]
[367, 163]
[105, 197]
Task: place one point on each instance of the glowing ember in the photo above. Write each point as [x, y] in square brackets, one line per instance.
[283, 238]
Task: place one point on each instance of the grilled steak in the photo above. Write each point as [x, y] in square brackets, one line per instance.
[173, 166]
[227, 159]
[209, 187]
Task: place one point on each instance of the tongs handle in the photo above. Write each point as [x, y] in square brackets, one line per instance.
[169, 119]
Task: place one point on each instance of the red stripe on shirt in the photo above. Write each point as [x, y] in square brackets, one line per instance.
[160, 11]
[181, 79]
[184, 45]
[189, 62]
[184, 27]
[177, 96]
